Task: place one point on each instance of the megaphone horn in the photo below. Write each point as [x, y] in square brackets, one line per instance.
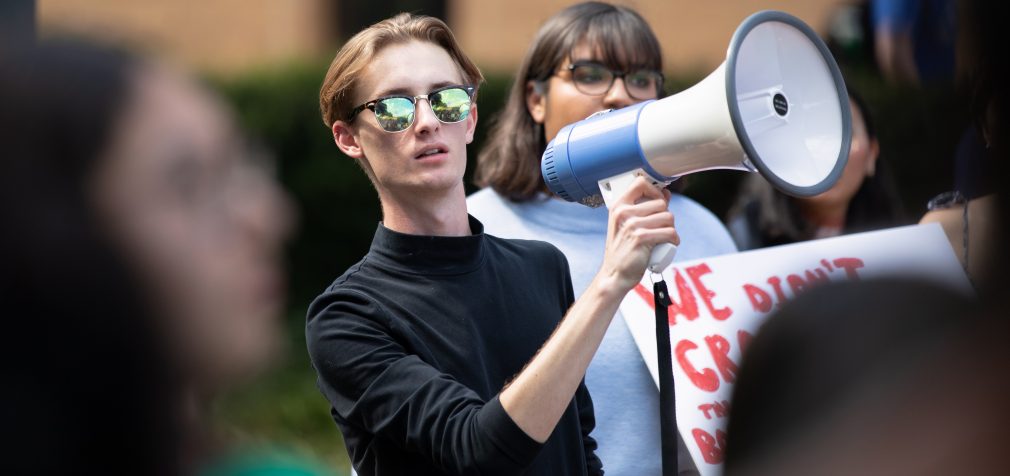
[777, 106]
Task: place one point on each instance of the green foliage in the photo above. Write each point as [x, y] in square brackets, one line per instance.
[336, 203]
[284, 411]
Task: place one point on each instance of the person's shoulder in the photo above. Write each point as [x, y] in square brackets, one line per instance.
[352, 290]
[533, 262]
[528, 250]
[353, 278]
[536, 247]
[498, 215]
[685, 207]
[698, 223]
[485, 199]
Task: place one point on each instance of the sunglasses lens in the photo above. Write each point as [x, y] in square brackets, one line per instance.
[450, 105]
[394, 114]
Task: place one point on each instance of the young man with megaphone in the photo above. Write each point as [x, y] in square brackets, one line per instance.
[443, 350]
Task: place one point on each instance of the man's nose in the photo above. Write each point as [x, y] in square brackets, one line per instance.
[424, 117]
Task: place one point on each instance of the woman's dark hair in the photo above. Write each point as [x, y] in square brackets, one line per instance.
[87, 387]
[775, 217]
[510, 162]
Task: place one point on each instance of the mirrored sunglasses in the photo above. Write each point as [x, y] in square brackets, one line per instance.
[450, 104]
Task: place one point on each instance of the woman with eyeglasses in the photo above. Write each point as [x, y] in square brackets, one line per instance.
[589, 57]
[443, 351]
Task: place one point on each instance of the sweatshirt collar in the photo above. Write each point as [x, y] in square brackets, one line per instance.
[430, 255]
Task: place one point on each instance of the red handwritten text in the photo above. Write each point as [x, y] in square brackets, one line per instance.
[718, 409]
[763, 301]
[712, 447]
[718, 347]
[685, 299]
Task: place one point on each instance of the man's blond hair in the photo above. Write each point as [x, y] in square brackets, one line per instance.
[342, 77]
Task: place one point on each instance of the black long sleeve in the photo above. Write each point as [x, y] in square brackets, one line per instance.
[374, 383]
[414, 343]
[587, 420]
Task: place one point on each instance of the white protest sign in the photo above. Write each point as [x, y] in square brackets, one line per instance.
[719, 303]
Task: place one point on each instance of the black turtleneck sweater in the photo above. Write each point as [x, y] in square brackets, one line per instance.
[413, 344]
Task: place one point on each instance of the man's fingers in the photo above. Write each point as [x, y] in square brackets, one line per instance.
[647, 208]
[655, 236]
[663, 219]
[639, 228]
[640, 190]
[621, 214]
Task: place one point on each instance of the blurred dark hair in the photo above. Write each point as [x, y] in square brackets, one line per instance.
[510, 161]
[983, 73]
[87, 385]
[982, 70]
[775, 217]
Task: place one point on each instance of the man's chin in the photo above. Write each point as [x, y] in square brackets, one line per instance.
[432, 184]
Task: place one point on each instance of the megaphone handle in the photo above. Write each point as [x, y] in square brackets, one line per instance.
[612, 188]
[662, 256]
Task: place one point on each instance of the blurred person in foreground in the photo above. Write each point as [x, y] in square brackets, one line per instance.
[864, 198]
[141, 268]
[441, 351]
[588, 57]
[880, 377]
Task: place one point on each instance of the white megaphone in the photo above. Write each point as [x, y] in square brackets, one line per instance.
[777, 106]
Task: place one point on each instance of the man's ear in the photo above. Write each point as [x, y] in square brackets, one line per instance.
[346, 141]
[471, 123]
[536, 101]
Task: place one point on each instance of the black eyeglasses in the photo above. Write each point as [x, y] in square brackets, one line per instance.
[450, 104]
[595, 79]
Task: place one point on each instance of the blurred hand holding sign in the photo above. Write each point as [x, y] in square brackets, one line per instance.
[720, 303]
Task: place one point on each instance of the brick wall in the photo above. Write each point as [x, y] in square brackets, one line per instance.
[234, 35]
[220, 36]
[693, 34]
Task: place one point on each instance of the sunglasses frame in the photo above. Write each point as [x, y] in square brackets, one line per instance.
[660, 79]
[470, 90]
